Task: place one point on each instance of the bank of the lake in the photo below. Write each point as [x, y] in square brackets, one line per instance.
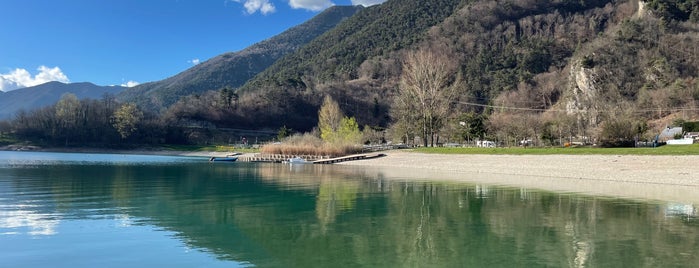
[646, 174]
[660, 177]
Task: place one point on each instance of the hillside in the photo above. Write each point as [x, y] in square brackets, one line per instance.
[376, 32]
[290, 91]
[235, 68]
[528, 66]
[31, 98]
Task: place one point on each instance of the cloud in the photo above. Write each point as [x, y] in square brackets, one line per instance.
[253, 6]
[130, 84]
[314, 5]
[265, 6]
[367, 3]
[194, 61]
[21, 78]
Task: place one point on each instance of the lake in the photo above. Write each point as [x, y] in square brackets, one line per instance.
[110, 210]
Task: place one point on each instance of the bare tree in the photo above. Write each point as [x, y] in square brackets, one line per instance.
[427, 90]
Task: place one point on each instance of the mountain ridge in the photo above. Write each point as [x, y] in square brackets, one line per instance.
[233, 69]
[30, 98]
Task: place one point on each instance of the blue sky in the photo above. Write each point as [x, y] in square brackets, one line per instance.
[122, 42]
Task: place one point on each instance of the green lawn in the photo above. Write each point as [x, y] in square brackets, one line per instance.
[662, 150]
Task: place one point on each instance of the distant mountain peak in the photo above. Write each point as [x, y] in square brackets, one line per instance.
[30, 98]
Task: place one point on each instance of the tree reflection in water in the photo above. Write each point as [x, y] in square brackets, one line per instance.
[310, 216]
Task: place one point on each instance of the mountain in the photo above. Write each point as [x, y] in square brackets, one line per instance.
[527, 66]
[31, 98]
[377, 32]
[289, 92]
[235, 68]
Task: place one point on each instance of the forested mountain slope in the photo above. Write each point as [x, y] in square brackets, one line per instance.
[290, 91]
[527, 66]
[235, 68]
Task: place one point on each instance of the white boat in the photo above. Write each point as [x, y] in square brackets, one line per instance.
[297, 160]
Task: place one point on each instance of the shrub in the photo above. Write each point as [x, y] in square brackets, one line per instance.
[308, 144]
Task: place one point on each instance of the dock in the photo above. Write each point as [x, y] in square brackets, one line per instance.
[311, 159]
[348, 158]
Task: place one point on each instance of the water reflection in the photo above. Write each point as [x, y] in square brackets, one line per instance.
[319, 216]
[19, 219]
[687, 211]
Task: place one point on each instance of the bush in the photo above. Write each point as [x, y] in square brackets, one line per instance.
[690, 126]
[618, 133]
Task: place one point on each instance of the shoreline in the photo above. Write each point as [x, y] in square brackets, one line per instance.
[666, 178]
[648, 177]
[154, 151]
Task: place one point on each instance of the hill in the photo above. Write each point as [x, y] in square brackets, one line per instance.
[529, 68]
[35, 97]
[235, 68]
[376, 32]
[290, 91]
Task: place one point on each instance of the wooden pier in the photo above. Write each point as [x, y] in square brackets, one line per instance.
[311, 159]
[348, 158]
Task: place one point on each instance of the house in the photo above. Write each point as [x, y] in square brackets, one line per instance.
[669, 133]
[691, 135]
[485, 144]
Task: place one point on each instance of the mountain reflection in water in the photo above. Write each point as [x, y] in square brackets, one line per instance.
[318, 216]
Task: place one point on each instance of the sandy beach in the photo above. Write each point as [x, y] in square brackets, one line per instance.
[667, 178]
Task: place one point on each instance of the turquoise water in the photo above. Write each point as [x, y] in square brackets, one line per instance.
[105, 210]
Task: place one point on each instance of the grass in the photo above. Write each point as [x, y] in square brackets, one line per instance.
[662, 150]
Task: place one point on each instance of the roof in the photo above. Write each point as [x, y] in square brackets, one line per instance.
[670, 132]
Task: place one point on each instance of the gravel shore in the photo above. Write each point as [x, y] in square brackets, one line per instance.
[668, 178]
[665, 178]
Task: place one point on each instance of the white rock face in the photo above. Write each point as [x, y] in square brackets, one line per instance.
[642, 11]
[583, 88]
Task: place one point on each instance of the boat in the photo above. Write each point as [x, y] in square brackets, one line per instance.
[223, 159]
[297, 160]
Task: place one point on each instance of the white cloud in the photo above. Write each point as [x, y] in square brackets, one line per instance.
[314, 5]
[265, 6]
[367, 3]
[194, 61]
[253, 6]
[130, 84]
[21, 78]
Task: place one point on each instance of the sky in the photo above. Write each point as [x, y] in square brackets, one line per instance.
[127, 42]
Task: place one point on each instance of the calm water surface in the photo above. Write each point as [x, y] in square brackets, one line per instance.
[105, 210]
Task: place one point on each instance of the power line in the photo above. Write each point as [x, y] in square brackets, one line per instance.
[508, 107]
[674, 109]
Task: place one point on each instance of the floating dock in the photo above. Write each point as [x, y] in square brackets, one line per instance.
[348, 158]
[277, 158]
